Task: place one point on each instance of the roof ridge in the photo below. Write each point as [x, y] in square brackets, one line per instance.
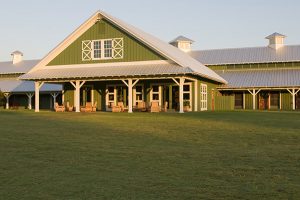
[235, 48]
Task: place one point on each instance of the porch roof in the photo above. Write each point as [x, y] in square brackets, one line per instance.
[108, 71]
[267, 78]
[17, 86]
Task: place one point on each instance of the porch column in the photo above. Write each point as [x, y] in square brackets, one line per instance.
[293, 93]
[30, 95]
[77, 85]
[280, 105]
[37, 87]
[130, 85]
[130, 96]
[244, 101]
[196, 96]
[180, 84]
[7, 95]
[54, 95]
[254, 93]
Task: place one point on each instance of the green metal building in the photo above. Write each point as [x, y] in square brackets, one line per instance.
[107, 61]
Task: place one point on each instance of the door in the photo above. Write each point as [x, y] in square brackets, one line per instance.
[175, 97]
[203, 97]
[238, 101]
[85, 95]
[298, 101]
[274, 100]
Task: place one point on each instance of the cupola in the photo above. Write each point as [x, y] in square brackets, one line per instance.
[17, 57]
[183, 43]
[276, 40]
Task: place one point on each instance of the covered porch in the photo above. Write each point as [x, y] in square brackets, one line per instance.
[165, 93]
[263, 98]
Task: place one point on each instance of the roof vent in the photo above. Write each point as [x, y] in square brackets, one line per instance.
[183, 43]
[17, 56]
[276, 40]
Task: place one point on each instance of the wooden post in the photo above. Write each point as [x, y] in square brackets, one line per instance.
[253, 99]
[37, 87]
[181, 82]
[77, 85]
[244, 100]
[280, 105]
[196, 95]
[293, 93]
[77, 96]
[54, 95]
[7, 95]
[130, 96]
[130, 85]
[30, 95]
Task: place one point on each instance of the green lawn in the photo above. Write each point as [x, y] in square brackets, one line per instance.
[213, 155]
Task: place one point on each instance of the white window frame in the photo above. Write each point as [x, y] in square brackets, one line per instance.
[190, 94]
[159, 93]
[203, 92]
[102, 50]
[108, 102]
[117, 49]
[135, 93]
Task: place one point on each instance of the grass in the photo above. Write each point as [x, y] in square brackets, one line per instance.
[221, 155]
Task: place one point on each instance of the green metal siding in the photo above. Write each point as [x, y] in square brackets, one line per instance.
[69, 94]
[248, 101]
[133, 49]
[224, 101]
[286, 101]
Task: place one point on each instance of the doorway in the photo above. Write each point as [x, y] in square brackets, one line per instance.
[85, 94]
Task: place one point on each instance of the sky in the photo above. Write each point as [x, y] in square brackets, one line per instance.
[35, 27]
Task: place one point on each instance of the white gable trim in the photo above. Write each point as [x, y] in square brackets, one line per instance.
[68, 41]
[161, 47]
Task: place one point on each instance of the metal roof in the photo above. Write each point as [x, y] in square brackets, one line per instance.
[107, 71]
[181, 38]
[17, 86]
[21, 67]
[165, 49]
[288, 53]
[261, 78]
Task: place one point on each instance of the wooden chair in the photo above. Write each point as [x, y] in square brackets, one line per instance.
[94, 107]
[59, 108]
[165, 108]
[154, 107]
[115, 108]
[87, 108]
[141, 106]
[121, 105]
[68, 107]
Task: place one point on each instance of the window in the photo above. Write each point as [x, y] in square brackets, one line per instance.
[138, 93]
[203, 97]
[110, 96]
[187, 94]
[97, 49]
[155, 93]
[107, 48]
[102, 49]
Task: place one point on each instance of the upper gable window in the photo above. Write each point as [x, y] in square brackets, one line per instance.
[102, 49]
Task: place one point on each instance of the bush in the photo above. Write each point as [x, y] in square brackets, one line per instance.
[2, 99]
